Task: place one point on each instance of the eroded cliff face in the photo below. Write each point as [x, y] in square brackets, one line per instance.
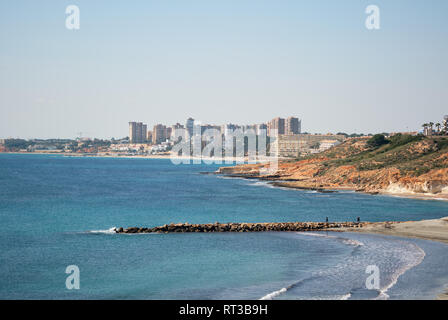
[419, 167]
[435, 182]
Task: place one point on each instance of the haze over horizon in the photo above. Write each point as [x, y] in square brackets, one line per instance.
[219, 62]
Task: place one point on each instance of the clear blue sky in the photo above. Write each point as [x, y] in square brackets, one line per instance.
[240, 61]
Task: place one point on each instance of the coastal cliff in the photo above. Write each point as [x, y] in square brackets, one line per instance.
[404, 165]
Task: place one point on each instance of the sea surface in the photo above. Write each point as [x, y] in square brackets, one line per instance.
[57, 211]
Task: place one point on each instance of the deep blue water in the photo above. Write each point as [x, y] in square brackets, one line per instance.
[55, 210]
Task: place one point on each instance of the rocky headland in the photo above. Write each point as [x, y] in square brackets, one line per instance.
[405, 165]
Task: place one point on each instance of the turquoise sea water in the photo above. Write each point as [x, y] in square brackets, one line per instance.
[56, 211]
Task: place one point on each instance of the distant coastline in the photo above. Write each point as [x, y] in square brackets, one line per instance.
[130, 156]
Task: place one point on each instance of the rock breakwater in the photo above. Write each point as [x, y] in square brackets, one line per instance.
[246, 227]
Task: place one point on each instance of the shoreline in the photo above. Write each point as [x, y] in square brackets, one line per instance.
[233, 160]
[219, 161]
[433, 230]
[409, 195]
[288, 184]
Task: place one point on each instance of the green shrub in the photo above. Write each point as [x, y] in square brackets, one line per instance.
[402, 139]
[443, 143]
[377, 141]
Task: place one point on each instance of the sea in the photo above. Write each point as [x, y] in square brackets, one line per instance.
[58, 211]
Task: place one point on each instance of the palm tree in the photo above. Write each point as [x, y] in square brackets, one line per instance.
[438, 127]
[425, 128]
[431, 124]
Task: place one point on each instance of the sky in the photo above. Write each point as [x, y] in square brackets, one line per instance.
[220, 61]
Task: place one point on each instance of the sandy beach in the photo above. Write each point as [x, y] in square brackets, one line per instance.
[419, 196]
[217, 160]
[436, 230]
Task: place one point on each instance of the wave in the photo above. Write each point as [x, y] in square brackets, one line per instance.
[231, 178]
[345, 296]
[269, 184]
[351, 242]
[274, 294]
[113, 231]
[410, 255]
[394, 279]
[393, 256]
[266, 184]
[106, 231]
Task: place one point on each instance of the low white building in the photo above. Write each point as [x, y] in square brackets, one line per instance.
[327, 144]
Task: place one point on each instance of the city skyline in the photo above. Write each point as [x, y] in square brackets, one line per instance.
[221, 62]
[171, 124]
[140, 133]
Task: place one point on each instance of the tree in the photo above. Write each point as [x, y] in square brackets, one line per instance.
[16, 144]
[377, 141]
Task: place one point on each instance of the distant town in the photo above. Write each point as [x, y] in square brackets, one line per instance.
[292, 143]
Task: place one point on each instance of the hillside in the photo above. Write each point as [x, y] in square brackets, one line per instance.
[402, 164]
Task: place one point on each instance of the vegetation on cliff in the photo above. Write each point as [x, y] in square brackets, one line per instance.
[411, 155]
[404, 163]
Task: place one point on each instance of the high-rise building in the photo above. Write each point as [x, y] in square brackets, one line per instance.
[189, 126]
[144, 132]
[205, 127]
[261, 128]
[137, 132]
[249, 127]
[227, 129]
[276, 124]
[158, 134]
[168, 133]
[177, 132]
[292, 126]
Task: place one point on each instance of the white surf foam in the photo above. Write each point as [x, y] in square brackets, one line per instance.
[274, 294]
[413, 261]
[351, 242]
[106, 231]
[345, 296]
[264, 184]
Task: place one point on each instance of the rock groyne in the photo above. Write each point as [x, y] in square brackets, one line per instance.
[246, 227]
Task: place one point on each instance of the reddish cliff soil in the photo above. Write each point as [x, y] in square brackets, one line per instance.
[405, 165]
